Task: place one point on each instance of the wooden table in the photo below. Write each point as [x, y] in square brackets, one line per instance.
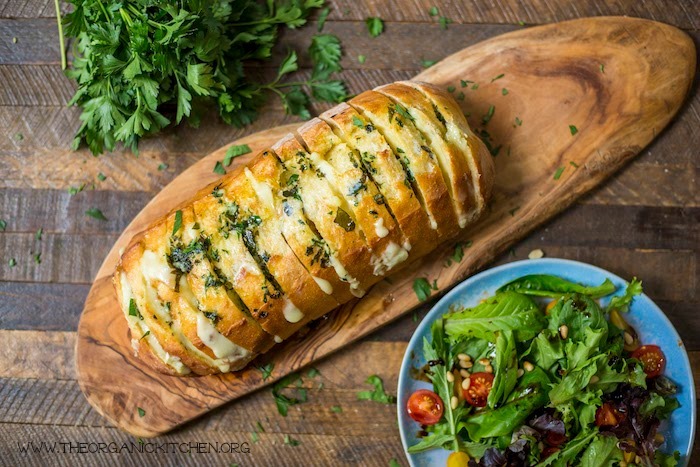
[644, 222]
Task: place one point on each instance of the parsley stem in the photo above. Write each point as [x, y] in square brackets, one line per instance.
[60, 35]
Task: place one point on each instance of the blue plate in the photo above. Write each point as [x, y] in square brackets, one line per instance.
[648, 320]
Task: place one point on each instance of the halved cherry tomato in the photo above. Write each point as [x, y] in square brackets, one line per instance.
[425, 407]
[608, 415]
[652, 358]
[479, 389]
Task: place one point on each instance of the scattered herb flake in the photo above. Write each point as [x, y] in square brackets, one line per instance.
[266, 370]
[415, 317]
[450, 89]
[96, 214]
[14, 40]
[162, 166]
[460, 96]
[458, 253]
[558, 173]
[573, 164]
[178, 221]
[422, 288]
[322, 18]
[497, 77]
[254, 437]
[375, 26]
[521, 23]
[475, 86]
[465, 82]
[146, 334]
[312, 373]
[141, 412]
[19, 136]
[259, 427]
[518, 122]
[361, 59]
[489, 115]
[357, 122]
[235, 151]
[3, 224]
[427, 63]
[38, 234]
[444, 21]
[573, 130]
[101, 177]
[283, 401]
[394, 463]
[504, 91]
[219, 168]
[378, 394]
[291, 441]
[12, 262]
[37, 258]
[75, 190]
[433, 11]
[602, 68]
[336, 409]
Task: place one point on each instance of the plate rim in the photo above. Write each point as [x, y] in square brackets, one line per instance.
[457, 289]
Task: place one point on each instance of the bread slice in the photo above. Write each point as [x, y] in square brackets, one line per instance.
[460, 135]
[217, 215]
[308, 246]
[259, 225]
[350, 255]
[432, 125]
[422, 170]
[341, 166]
[383, 167]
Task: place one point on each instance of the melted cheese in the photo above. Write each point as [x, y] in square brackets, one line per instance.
[262, 189]
[393, 255]
[326, 169]
[220, 345]
[291, 312]
[155, 267]
[324, 285]
[355, 288]
[278, 339]
[380, 229]
[407, 245]
[137, 325]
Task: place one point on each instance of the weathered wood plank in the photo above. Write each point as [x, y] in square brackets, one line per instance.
[45, 307]
[38, 354]
[40, 85]
[684, 13]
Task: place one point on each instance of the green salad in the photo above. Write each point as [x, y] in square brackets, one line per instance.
[541, 374]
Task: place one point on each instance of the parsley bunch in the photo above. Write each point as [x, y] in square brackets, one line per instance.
[142, 64]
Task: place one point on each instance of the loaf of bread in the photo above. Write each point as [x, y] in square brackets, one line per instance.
[307, 225]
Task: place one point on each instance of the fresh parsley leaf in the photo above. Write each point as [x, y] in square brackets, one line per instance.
[162, 166]
[394, 463]
[96, 214]
[3, 224]
[361, 59]
[444, 21]
[573, 164]
[12, 262]
[235, 151]
[288, 65]
[427, 63]
[101, 177]
[518, 122]
[37, 258]
[495, 78]
[378, 394]
[465, 82]
[254, 437]
[266, 370]
[178, 221]
[357, 122]
[489, 115]
[573, 130]
[336, 409]
[38, 234]
[422, 288]
[558, 173]
[291, 441]
[458, 253]
[375, 26]
[504, 91]
[450, 89]
[403, 111]
[433, 11]
[322, 18]
[312, 373]
[219, 168]
[75, 190]
[602, 68]
[141, 412]
[284, 401]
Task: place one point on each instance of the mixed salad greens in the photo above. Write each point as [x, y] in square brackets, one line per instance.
[541, 374]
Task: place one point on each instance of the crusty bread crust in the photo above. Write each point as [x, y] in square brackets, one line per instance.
[477, 154]
[405, 139]
[323, 206]
[318, 218]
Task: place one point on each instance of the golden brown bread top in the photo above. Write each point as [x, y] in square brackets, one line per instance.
[316, 219]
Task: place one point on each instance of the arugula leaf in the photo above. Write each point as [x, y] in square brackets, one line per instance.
[622, 302]
[505, 368]
[375, 26]
[505, 311]
[378, 394]
[546, 285]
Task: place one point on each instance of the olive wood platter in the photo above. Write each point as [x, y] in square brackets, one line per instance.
[617, 81]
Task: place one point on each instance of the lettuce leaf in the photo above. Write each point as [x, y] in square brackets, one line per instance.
[505, 368]
[545, 285]
[602, 451]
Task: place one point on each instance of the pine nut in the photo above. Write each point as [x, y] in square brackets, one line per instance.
[465, 364]
[594, 379]
[629, 340]
[466, 382]
[463, 356]
[450, 377]
[488, 369]
[564, 331]
[484, 361]
[536, 254]
[464, 373]
[454, 402]
[528, 366]
[520, 372]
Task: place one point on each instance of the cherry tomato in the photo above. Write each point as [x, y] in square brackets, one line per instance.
[458, 459]
[608, 415]
[555, 439]
[425, 407]
[479, 389]
[652, 358]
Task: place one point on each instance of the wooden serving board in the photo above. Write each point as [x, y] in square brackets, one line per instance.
[619, 81]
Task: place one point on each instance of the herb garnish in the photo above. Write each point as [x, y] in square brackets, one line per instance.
[361, 59]
[141, 412]
[322, 18]
[497, 77]
[444, 21]
[558, 173]
[101, 177]
[12, 263]
[504, 91]
[266, 370]
[162, 166]
[423, 288]
[96, 214]
[178, 221]
[427, 63]
[433, 11]
[283, 401]
[38, 234]
[219, 168]
[3, 224]
[378, 394]
[375, 26]
[357, 122]
[291, 441]
[489, 115]
[573, 130]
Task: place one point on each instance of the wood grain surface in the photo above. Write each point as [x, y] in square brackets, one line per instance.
[554, 80]
[643, 221]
